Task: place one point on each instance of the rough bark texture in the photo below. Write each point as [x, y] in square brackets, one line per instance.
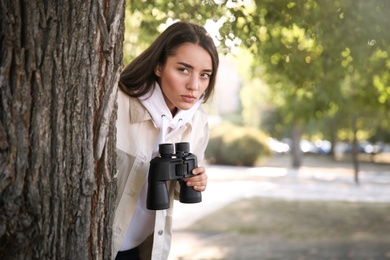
[59, 66]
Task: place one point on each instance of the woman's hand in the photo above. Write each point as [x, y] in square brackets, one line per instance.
[199, 181]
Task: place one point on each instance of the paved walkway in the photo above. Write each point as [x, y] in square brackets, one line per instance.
[228, 184]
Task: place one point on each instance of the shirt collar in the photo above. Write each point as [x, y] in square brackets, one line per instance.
[138, 113]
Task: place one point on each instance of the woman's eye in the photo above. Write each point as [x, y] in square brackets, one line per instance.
[185, 70]
[205, 75]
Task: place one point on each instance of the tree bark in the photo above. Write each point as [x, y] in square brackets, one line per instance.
[60, 63]
[296, 151]
[355, 150]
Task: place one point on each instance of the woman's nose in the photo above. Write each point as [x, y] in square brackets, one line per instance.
[193, 84]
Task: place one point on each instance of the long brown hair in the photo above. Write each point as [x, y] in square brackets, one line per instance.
[138, 77]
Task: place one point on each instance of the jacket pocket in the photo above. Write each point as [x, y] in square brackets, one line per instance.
[131, 173]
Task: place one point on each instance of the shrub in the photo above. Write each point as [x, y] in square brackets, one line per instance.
[233, 145]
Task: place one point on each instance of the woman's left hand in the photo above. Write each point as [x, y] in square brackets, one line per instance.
[199, 181]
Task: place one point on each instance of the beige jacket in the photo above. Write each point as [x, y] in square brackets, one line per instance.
[136, 138]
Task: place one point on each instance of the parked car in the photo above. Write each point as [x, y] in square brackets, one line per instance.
[277, 146]
[309, 147]
[366, 147]
[324, 146]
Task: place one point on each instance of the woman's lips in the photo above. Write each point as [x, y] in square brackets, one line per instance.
[189, 99]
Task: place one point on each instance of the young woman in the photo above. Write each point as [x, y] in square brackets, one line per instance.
[159, 101]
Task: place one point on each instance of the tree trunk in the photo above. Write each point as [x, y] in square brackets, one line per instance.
[296, 151]
[333, 141]
[355, 151]
[60, 63]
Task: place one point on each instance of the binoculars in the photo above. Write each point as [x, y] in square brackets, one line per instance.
[171, 165]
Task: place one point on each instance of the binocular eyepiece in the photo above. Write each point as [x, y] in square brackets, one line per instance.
[174, 163]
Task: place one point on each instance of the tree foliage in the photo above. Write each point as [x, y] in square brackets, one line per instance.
[322, 56]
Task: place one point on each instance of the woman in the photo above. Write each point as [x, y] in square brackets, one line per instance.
[159, 101]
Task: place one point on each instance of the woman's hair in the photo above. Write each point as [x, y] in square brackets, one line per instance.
[139, 77]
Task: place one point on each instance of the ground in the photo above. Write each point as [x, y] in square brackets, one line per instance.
[272, 228]
[277, 229]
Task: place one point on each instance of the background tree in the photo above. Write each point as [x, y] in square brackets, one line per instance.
[323, 58]
[59, 67]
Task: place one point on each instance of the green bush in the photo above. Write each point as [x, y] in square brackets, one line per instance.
[233, 145]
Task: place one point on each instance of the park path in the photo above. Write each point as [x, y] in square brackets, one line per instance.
[316, 180]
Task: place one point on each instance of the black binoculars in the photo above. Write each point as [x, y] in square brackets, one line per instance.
[171, 165]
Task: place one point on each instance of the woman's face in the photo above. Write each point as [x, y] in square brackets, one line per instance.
[185, 76]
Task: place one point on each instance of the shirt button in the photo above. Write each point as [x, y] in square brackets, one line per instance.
[118, 231]
[160, 232]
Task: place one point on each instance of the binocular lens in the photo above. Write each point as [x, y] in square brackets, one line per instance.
[166, 149]
[182, 147]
